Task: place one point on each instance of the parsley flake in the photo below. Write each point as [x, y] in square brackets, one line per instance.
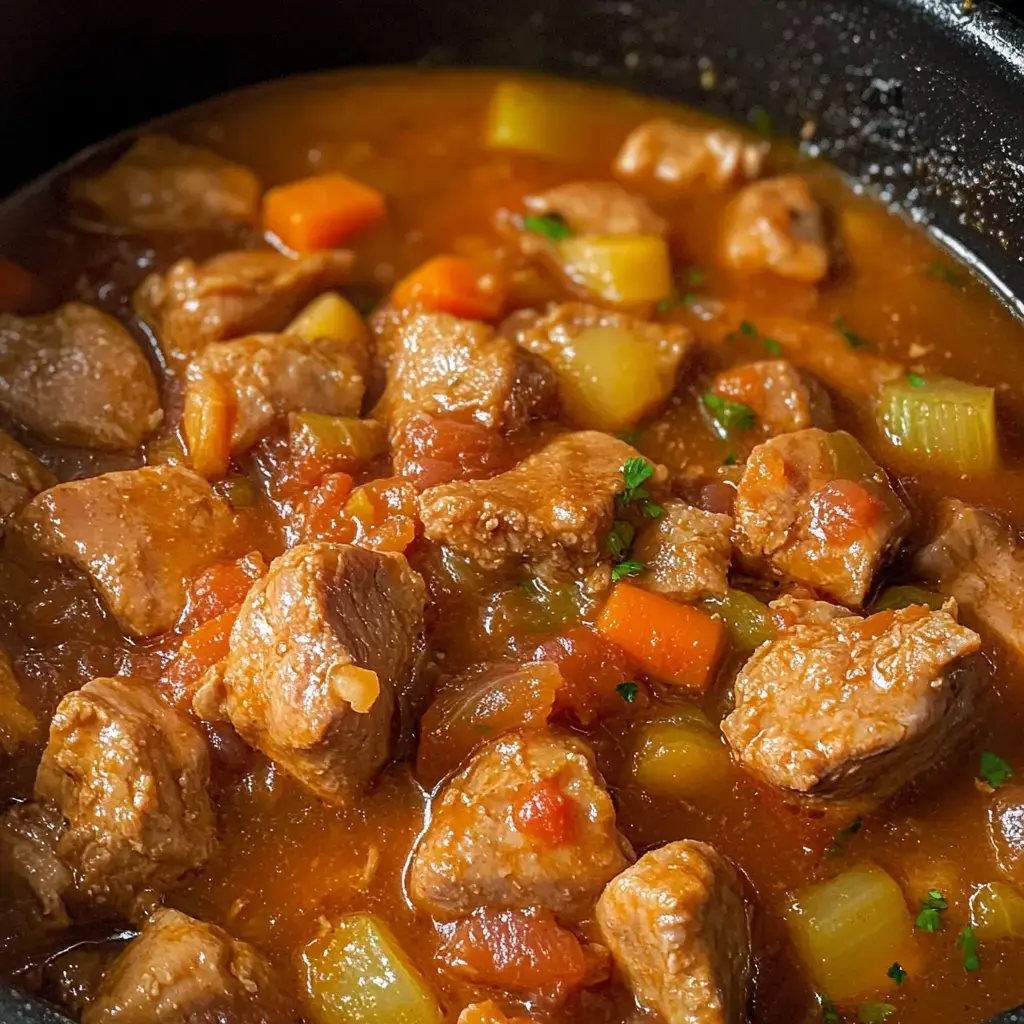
[620, 538]
[748, 330]
[550, 225]
[629, 567]
[968, 945]
[635, 472]
[853, 339]
[666, 305]
[631, 437]
[483, 729]
[829, 1013]
[730, 459]
[627, 691]
[915, 380]
[897, 973]
[994, 770]
[772, 347]
[929, 918]
[695, 277]
[874, 1013]
[728, 414]
[843, 836]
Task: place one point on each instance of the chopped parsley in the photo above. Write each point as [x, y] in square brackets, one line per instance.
[635, 473]
[631, 437]
[929, 918]
[627, 567]
[748, 330]
[968, 945]
[627, 691]
[620, 539]
[994, 770]
[896, 973]
[828, 1010]
[843, 836]
[729, 415]
[853, 339]
[772, 347]
[939, 271]
[483, 729]
[694, 277]
[915, 380]
[730, 459]
[550, 225]
[874, 1013]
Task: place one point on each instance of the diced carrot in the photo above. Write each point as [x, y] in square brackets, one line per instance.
[323, 517]
[207, 421]
[452, 284]
[320, 212]
[673, 642]
[220, 587]
[843, 511]
[17, 286]
[200, 650]
[516, 951]
[547, 814]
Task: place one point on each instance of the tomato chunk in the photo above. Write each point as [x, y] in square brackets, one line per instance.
[547, 815]
[434, 451]
[220, 587]
[844, 511]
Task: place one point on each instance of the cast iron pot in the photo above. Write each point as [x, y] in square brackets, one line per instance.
[921, 101]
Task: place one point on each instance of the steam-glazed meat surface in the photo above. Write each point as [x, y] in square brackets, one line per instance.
[130, 777]
[598, 208]
[22, 476]
[322, 646]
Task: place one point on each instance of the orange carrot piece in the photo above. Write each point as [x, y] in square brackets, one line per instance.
[452, 284]
[673, 642]
[17, 286]
[220, 587]
[320, 212]
[199, 651]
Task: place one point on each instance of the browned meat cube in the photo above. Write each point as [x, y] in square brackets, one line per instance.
[233, 294]
[318, 651]
[183, 971]
[29, 836]
[160, 184]
[22, 476]
[681, 156]
[76, 376]
[598, 208]
[779, 396]
[139, 534]
[816, 507]
[687, 553]
[792, 611]
[17, 723]
[677, 926]
[552, 510]
[264, 377]
[975, 558]
[853, 707]
[775, 227]
[527, 823]
[1006, 831]
[130, 776]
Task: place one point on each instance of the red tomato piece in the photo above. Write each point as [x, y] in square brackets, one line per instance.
[434, 451]
[844, 511]
[547, 815]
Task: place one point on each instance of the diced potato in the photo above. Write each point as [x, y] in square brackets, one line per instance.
[945, 424]
[682, 756]
[747, 620]
[623, 269]
[849, 931]
[329, 316]
[532, 119]
[610, 378]
[358, 974]
[207, 427]
[353, 441]
[997, 912]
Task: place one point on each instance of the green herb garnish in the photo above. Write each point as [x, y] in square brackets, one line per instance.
[853, 339]
[550, 225]
[915, 380]
[748, 330]
[874, 1013]
[843, 836]
[929, 918]
[629, 567]
[994, 770]
[729, 415]
[968, 945]
[620, 538]
[631, 437]
[828, 1010]
[730, 459]
[627, 691]
[896, 973]
[772, 347]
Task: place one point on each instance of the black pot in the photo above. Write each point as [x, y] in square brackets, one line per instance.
[920, 100]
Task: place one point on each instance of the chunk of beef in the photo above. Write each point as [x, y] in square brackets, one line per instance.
[677, 926]
[233, 294]
[29, 836]
[598, 208]
[781, 399]
[816, 507]
[183, 971]
[1006, 831]
[22, 477]
[76, 376]
[17, 723]
[686, 552]
[681, 156]
[130, 775]
[853, 707]
[976, 559]
[160, 184]
[775, 226]
[266, 376]
[560, 337]
[139, 534]
[527, 823]
[318, 651]
[552, 511]
[792, 611]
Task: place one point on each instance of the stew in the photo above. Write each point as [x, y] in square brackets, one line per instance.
[480, 548]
